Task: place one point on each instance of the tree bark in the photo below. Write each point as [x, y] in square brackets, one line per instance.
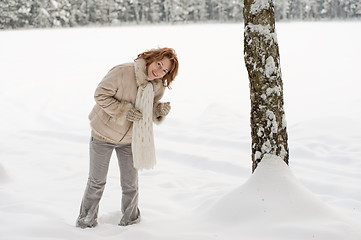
[261, 55]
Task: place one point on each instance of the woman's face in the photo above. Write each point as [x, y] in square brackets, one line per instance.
[158, 69]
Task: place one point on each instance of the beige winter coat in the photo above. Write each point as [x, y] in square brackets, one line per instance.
[114, 96]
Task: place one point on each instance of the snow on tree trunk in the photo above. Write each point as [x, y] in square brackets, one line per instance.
[261, 55]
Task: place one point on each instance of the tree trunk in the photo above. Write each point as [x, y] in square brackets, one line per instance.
[261, 55]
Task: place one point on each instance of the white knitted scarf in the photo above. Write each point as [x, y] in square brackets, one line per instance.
[143, 139]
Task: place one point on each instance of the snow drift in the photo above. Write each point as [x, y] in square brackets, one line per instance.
[275, 201]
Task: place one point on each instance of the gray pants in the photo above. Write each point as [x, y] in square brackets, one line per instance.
[100, 154]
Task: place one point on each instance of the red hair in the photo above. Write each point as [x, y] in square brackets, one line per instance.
[157, 55]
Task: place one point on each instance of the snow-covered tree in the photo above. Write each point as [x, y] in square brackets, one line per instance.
[24, 14]
[282, 9]
[261, 55]
[236, 10]
[8, 14]
[156, 11]
[180, 13]
[79, 12]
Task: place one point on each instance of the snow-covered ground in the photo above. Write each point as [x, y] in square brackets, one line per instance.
[202, 187]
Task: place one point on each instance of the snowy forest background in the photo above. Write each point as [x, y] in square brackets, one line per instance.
[70, 13]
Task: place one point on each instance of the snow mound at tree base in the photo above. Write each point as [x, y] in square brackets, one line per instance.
[273, 204]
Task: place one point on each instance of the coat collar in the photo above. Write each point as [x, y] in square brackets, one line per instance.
[140, 68]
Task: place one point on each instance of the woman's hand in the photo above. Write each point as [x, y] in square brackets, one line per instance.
[162, 109]
[134, 114]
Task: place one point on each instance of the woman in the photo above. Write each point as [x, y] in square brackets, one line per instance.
[111, 121]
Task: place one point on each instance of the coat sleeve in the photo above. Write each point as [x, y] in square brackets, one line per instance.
[105, 96]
